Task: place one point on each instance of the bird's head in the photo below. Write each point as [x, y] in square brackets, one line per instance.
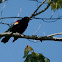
[27, 18]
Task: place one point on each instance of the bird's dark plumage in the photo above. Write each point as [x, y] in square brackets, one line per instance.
[19, 26]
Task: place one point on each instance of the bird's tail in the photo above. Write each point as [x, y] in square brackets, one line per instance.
[5, 39]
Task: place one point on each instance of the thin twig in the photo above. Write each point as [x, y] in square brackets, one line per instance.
[18, 14]
[34, 18]
[37, 29]
[3, 7]
[5, 23]
[48, 18]
[10, 17]
[55, 34]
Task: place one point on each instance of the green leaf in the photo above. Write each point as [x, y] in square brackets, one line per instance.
[48, 1]
[26, 51]
[30, 48]
[47, 60]
[33, 57]
[41, 58]
[56, 4]
[52, 6]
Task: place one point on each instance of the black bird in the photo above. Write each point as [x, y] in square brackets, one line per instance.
[19, 26]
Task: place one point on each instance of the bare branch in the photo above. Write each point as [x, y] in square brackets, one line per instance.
[5, 23]
[3, 7]
[55, 34]
[33, 37]
[9, 17]
[35, 18]
[48, 18]
[37, 29]
[18, 14]
[37, 9]
[43, 9]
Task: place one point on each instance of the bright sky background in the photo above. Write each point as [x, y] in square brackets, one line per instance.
[14, 52]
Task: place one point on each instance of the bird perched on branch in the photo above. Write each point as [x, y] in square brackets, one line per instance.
[19, 26]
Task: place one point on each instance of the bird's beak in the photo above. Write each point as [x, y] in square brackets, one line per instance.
[30, 19]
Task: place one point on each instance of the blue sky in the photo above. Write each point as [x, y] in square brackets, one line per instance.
[13, 52]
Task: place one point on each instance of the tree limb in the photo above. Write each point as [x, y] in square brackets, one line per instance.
[33, 37]
[43, 9]
[37, 9]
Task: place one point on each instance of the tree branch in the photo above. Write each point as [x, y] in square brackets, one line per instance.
[5, 23]
[43, 9]
[37, 9]
[34, 18]
[9, 17]
[33, 37]
[55, 34]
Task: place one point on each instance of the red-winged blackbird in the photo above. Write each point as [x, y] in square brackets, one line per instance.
[19, 26]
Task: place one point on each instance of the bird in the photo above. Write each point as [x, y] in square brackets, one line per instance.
[19, 26]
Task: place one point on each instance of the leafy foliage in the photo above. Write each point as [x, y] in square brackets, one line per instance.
[56, 4]
[2, 1]
[33, 57]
